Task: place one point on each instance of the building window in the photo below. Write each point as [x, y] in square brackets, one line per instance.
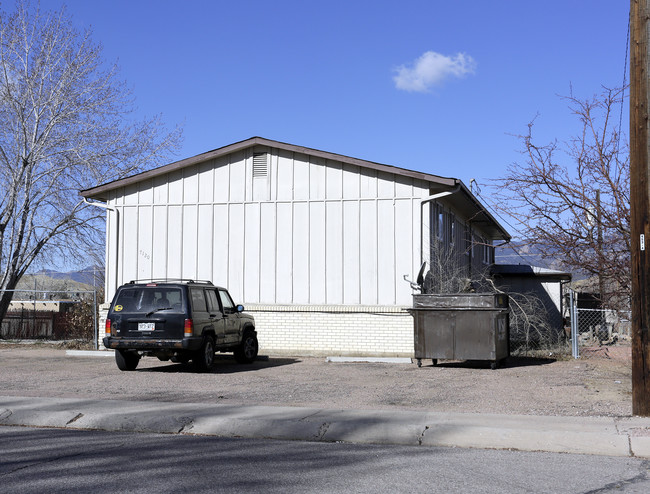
[452, 228]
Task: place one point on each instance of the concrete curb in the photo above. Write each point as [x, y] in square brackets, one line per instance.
[584, 435]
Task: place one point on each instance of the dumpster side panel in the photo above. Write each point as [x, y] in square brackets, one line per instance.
[475, 336]
[434, 334]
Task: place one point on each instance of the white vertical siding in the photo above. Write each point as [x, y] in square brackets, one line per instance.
[268, 251]
[351, 267]
[334, 252]
[220, 247]
[406, 248]
[129, 253]
[143, 233]
[386, 255]
[252, 251]
[160, 246]
[313, 231]
[204, 248]
[284, 271]
[368, 250]
[235, 255]
[317, 259]
[300, 255]
[174, 242]
[189, 236]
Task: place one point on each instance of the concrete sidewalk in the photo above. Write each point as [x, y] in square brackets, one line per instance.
[628, 436]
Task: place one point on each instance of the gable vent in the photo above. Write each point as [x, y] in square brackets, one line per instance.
[260, 168]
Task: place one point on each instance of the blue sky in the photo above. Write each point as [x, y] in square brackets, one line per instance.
[325, 74]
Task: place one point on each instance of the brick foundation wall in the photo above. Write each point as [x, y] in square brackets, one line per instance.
[333, 330]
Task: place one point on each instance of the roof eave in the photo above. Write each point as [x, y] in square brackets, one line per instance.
[100, 191]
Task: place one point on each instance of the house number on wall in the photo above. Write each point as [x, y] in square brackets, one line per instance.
[145, 255]
[642, 242]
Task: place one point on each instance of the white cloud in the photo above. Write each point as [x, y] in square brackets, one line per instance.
[432, 69]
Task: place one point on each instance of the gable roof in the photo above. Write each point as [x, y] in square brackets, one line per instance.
[469, 204]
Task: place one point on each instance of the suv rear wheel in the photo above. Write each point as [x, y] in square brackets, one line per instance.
[204, 357]
[126, 360]
[246, 352]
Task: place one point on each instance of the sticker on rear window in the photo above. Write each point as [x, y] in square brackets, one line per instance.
[118, 308]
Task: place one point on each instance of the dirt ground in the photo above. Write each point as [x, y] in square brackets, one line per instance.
[596, 386]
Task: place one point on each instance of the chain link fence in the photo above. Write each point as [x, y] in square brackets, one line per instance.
[600, 333]
[69, 316]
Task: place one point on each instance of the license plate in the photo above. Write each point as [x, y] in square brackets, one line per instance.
[146, 326]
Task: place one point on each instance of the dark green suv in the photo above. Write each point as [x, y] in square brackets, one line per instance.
[179, 320]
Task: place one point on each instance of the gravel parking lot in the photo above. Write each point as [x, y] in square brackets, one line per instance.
[591, 387]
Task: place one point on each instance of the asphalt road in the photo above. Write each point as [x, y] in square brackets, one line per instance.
[52, 460]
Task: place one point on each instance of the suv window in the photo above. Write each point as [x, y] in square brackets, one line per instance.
[145, 299]
[226, 301]
[198, 299]
[213, 303]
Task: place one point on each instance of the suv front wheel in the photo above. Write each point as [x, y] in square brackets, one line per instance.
[247, 350]
[204, 356]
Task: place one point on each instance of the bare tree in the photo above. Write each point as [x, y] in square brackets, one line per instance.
[571, 199]
[65, 125]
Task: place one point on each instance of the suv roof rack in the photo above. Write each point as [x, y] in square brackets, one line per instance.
[170, 280]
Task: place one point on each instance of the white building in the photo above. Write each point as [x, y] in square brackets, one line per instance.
[314, 244]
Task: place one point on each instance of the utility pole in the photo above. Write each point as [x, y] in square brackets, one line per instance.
[640, 205]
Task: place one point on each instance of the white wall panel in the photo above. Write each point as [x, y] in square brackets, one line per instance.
[252, 253]
[176, 187]
[386, 252]
[351, 269]
[130, 195]
[317, 253]
[334, 179]
[205, 255]
[284, 174]
[129, 252]
[385, 185]
[368, 252]
[190, 234]
[175, 241]
[368, 183]
[284, 272]
[334, 252]
[317, 179]
[237, 177]
[236, 251]
[206, 181]
[220, 249]
[145, 192]
[268, 252]
[301, 168]
[159, 242]
[221, 179]
[405, 223]
[331, 233]
[404, 187]
[351, 182]
[190, 185]
[160, 187]
[301, 253]
[144, 233]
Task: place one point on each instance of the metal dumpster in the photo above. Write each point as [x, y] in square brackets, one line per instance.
[468, 326]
